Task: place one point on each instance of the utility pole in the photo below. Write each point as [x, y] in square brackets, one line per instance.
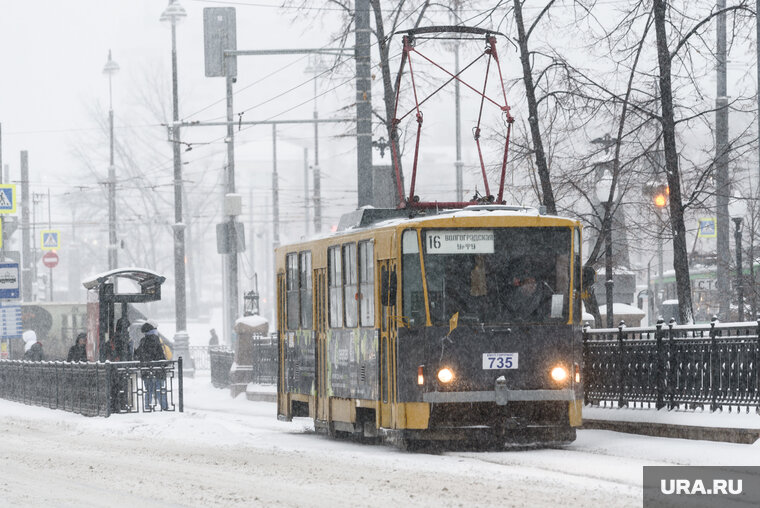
[316, 68]
[26, 271]
[231, 273]
[110, 69]
[722, 182]
[363, 104]
[458, 119]
[306, 191]
[275, 192]
[251, 235]
[173, 14]
[458, 113]
[36, 199]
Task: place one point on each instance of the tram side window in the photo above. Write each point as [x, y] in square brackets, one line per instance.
[578, 265]
[335, 275]
[293, 293]
[306, 289]
[413, 299]
[350, 287]
[366, 284]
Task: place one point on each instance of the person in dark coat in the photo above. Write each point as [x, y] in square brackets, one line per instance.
[153, 376]
[33, 347]
[78, 352]
[214, 340]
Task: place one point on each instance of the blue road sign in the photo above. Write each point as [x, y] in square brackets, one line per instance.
[9, 281]
[50, 239]
[8, 198]
[10, 321]
[707, 228]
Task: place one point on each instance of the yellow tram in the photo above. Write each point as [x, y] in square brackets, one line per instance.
[434, 326]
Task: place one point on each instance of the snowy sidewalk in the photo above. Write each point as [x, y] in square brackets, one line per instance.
[734, 427]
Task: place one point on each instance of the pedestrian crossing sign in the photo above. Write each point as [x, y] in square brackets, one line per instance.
[50, 239]
[707, 228]
[8, 198]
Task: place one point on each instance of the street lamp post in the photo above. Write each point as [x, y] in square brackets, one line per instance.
[737, 208]
[173, 14]
[603, 188]
[110, 69]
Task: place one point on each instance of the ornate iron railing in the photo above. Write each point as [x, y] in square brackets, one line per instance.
[264, 359]
[94, 388]
[200, 357]
[689, 366]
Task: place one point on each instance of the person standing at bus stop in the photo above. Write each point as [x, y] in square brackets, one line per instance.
[78, 352]
[153, 376]
[214, 339]
[32, 346]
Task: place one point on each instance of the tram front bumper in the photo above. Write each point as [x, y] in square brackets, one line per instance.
[501, 395]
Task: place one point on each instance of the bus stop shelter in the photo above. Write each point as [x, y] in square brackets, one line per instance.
[106, 319]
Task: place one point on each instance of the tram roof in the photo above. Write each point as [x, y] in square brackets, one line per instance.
[374, 218]
[403, 216]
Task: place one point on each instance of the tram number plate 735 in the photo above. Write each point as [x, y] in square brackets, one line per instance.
[493, 361]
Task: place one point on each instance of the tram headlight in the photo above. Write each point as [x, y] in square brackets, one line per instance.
[445, 375]
[559, 374]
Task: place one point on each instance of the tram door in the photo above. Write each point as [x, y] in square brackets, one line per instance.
[283, 404]
[320, 328]
[388, 325]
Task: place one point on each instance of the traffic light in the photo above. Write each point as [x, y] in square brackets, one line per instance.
[659, 193]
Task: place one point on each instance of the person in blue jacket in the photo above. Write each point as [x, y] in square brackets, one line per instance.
[153, 375]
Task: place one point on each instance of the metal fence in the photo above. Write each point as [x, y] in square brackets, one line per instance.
[264, 359]
[688, 366]
[220, 362]
[94, 388]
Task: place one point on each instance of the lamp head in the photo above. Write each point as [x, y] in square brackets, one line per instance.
[174, 13]
[111, 67]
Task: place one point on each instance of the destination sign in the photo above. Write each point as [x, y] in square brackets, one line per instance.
[459, 241]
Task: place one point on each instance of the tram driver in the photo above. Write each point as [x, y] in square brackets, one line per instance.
[530, 299]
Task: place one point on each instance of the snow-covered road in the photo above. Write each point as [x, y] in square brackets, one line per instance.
[225, 452]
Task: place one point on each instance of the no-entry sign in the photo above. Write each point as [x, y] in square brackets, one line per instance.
[50, 259]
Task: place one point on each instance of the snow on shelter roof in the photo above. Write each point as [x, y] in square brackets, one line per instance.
[144, 277]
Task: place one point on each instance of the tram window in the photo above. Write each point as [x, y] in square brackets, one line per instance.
[577, 264]
[495, 275]
[350, 285]
[293, 293]
[366, 284]
[335, 274]
[413, 300]
[306, 289]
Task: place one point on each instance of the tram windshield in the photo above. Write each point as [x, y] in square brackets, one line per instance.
[497, 275]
